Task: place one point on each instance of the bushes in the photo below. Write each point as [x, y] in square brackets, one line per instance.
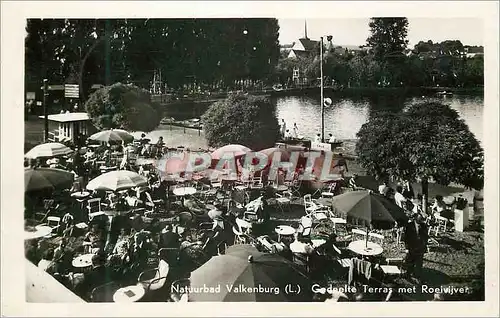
[239, 119]
[123, 106]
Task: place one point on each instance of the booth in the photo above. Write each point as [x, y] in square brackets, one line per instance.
[71, 125]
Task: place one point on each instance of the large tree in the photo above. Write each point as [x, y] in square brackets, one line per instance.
[427, 142]
[123, 106]
[240, 119]
[388, 37]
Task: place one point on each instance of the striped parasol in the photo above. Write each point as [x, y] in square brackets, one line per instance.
[50, 149]
[117, 180]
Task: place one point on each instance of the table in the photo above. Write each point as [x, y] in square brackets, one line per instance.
[182, 191]
[360, 247]
[281, 188]
[129, 294]
[317, 242]
[40, 231]
[80, 195]
[284, 230]
[83, 261]
[299, 247]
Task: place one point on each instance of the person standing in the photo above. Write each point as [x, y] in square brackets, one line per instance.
[331, 139]
[283, 128]
[383, 189]
[318, 138]
[399, 198]
[295, 131]
[415, 238]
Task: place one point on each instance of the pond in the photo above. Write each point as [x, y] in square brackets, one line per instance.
[345, 116]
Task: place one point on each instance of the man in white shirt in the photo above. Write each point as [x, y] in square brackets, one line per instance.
[383, 189]
[318, 138]
[399, 197]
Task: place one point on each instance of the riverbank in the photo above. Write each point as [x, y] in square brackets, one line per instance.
[353, 92]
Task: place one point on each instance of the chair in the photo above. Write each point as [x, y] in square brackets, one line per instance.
[221, 248]
[54, 222]
[301, 260]
[94, 208]
[178, 289]
[104, 293]
[442, 224]
[345, 262]
[357, 233]
[391, 269]
[257, 182]
[330, 193]
[284, 199]
[376, 238]
[294, 186]
[169, 255]
[239, 237]
[313, 210]
[154, 279]
[305, 226]
[250, 216]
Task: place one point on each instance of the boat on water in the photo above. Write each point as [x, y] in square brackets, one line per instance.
[277, 87]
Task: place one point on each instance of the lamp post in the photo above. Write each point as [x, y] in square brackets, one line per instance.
[45, 110]
[322, 97]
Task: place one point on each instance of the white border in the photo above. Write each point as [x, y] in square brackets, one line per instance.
[12, 76]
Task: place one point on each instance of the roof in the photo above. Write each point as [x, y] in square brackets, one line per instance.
[68, 117]
[298, 53]
[309, 45]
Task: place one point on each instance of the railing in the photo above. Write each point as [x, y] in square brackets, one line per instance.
[53, 136]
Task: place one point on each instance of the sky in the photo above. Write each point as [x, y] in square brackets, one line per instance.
[355, 31]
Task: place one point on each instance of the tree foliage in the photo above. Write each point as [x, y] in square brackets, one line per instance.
[427, 142]
[388, 37]
[123, 106]
[185, 50]
[241, 119]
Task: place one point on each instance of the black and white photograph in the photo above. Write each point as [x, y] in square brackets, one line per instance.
[265, 158]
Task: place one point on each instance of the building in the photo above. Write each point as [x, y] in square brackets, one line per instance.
[304, 47]
[71, 126]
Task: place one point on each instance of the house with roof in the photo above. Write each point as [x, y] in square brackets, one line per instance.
[304, 47]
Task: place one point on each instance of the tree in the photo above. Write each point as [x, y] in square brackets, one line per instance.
[388, 37]
[239, 119]
[123, 106]
[428, 142]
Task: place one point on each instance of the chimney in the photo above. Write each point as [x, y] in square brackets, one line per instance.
[305, 30]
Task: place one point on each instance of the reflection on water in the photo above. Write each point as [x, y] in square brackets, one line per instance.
[346, 116]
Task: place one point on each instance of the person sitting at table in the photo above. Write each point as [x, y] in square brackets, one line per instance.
[97, 276]
[154, 227]
[47, 262]
[169, 239]
[94, 239]
[122, 249]
[439, 206]
[131, 199]
[299, 246]
[288, 134]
